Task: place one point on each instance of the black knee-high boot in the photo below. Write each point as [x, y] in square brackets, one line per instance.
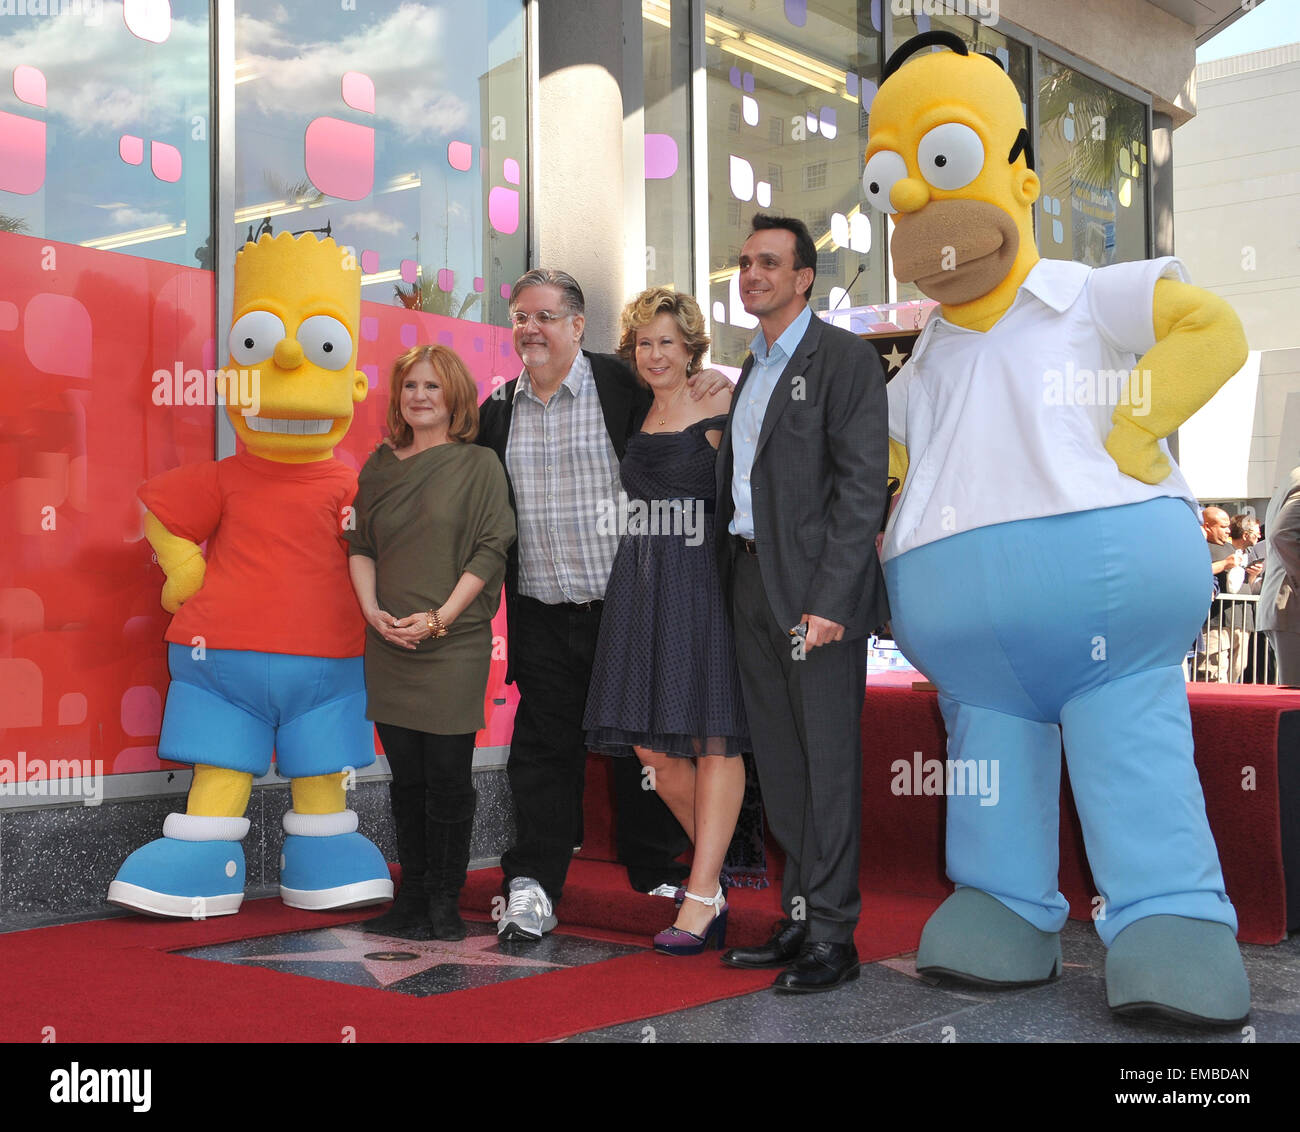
[409, 915]
[449, 829]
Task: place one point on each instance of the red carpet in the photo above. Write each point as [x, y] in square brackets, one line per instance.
[114, 981]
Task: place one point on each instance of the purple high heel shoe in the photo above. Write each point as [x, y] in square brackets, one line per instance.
[678, 941]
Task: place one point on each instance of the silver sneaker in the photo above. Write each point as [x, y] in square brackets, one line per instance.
[529, 914]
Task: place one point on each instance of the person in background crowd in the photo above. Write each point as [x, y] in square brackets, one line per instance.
[1223, 657]
[1279, 598]
[664, 684]
[427, 556]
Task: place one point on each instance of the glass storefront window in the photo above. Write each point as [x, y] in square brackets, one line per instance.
[1092, 159]
[665, 30]
[105, 127]
[787, 84]
[403, 128]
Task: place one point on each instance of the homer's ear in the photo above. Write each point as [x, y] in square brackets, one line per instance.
[360, 386]
[1027, 187]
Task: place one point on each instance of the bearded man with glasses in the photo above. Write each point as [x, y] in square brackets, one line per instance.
[561, 429]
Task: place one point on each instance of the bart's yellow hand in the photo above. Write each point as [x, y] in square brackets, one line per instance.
[181, 560]
[183, 582]
[1136, 452]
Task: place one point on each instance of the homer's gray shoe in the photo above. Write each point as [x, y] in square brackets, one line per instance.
[974, 937]
[529, 914]
[1180, 969]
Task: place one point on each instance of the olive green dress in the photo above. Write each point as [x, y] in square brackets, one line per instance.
[425, 521]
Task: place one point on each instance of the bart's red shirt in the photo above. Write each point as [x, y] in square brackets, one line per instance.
[277, 572]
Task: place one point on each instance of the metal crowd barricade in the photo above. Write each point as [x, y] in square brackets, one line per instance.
[1228, 649]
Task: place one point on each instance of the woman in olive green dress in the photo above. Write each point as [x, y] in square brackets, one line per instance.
[427, 558]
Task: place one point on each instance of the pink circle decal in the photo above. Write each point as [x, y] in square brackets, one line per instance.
[72, 709]
[165, 160]
[505, 290]
[503, 210]
[56, 335]
[372, 375]
[445, 338]
[460, 155]
[369, 328]
[29, 85]
[660, 157]
[9, 316]
[130, 149]
[20, 693]
[369, 262]
[478, 284]
[410, 271]
[446, 279]
[22, 153]
[408, 334]
[340, 158]
[510, 170]
[359, 91]
[141, 710]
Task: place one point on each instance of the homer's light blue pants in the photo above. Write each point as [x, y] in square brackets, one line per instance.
[1072, 625]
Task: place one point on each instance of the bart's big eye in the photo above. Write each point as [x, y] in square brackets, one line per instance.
[950, 156]
[253, 338]
[883, 172]
[326, 342]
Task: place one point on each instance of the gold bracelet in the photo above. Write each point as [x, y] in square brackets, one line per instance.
[434, 622]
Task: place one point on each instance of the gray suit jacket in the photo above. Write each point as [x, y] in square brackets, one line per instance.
[1279, 596]
[819, 484]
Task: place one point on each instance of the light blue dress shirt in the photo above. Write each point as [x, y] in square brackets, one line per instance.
[747, 420]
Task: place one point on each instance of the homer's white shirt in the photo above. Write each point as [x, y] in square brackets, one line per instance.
[1011, 423]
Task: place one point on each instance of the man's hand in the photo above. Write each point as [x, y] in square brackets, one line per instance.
[708, 382]
[820, 631]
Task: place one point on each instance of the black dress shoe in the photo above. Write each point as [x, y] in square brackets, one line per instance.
[784, 946]
[820, 966]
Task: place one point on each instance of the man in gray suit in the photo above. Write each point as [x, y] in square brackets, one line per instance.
[802, 472]
[1279, 596]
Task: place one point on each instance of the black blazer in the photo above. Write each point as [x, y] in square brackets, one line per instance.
[624, 402]
[819, 483]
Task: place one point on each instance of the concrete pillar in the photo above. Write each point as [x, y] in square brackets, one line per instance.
[1162, 184]
[581, 205]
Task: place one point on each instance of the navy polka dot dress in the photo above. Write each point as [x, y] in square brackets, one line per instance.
[665, 670]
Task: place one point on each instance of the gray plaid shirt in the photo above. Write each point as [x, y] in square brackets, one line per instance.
[565, 474]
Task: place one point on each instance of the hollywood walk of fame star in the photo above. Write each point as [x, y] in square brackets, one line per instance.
[359, 947]
[895, 357]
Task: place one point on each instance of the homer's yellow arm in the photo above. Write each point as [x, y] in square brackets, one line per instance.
[1200, 343]
[180, 559]
[897, 462]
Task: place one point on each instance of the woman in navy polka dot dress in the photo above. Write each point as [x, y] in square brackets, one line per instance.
[664, 685]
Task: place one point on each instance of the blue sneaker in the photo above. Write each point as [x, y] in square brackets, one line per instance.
[194, 871]
[327, 864]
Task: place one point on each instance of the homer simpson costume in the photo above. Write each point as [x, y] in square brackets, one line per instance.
[1045, 565]
[265, 648]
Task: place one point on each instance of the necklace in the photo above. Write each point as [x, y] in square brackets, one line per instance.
[663, 412]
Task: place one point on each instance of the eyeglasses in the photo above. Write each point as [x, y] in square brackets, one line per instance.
[542, 318]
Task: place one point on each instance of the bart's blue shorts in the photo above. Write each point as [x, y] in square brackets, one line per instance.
[232, 708]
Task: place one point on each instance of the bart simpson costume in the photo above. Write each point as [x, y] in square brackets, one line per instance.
[265, 648]
[1044, 562]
